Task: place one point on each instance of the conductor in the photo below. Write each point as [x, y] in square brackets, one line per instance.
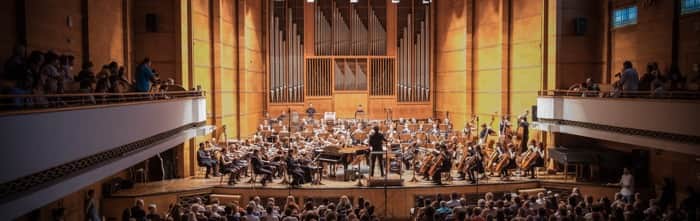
[376, 140]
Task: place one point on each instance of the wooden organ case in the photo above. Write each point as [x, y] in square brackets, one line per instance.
[338, 55]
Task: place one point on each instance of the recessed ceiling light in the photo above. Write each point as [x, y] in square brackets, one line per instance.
[395, 1]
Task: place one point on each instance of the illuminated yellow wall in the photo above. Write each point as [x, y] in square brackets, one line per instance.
[453, 67]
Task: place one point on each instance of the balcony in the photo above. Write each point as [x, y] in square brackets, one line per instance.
[52, 150]
[669, 122]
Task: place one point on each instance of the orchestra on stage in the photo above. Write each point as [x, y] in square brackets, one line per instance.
[307, 149]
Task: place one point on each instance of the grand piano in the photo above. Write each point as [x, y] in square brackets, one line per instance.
[334, 155]
[594, 158]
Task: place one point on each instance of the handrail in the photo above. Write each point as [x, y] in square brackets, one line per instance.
[22, 102]
[684, 95]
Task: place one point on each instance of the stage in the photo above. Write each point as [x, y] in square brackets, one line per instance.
[391, 202]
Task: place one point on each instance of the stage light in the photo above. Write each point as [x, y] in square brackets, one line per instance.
[427, 1]
[354, 1]
[395, 1]
[309, 1]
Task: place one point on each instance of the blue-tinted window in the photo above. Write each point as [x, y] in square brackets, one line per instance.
[625, 16]
[690, 6]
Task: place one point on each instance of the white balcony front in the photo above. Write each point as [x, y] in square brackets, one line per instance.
[670, 124]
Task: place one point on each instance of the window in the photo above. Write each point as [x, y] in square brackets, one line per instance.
[625, 16]
[690, 6]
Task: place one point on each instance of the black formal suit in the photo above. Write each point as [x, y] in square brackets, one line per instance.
[375, 141]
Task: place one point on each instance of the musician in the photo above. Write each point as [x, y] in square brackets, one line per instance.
[478, 167]
[484, 133]
[259, 167]
[524, 127]
[435, 130]
[294, 170]
[503, 125]
[375, 141]
[228, 162]
[446, 164]
[510, 164]
[359, 110]
[406, 130]
[205, 159]
[310, 111]
[539, 162]
[282, 117]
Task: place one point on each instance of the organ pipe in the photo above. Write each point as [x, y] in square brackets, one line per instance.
[414, 57]
[285, 54]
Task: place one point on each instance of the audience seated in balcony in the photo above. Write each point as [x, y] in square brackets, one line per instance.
[47, 73]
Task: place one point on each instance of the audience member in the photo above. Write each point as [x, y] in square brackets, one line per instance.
[144, 76]
[629, 79]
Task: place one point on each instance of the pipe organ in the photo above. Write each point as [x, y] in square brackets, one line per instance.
[286, 52]
[349, 52]
[414, 48]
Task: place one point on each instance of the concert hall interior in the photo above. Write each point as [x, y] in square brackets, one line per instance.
[349, 110]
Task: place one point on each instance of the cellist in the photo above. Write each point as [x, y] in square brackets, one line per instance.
[539, 162]
[445, 164]
[478, 167]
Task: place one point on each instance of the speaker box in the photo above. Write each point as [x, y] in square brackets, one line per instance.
[380, 181]
[580, 26]
[534, 113]
[151, 22]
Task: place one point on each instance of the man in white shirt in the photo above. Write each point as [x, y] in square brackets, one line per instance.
[627, 185]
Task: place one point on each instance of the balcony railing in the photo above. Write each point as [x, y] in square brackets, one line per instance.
[32, 102]
[682, 95]
[639, 118]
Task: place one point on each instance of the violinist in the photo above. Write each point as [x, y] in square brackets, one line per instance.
[228, 164]
[259, 167]
[294, 170]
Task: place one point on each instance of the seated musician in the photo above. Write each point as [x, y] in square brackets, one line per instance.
[467, 131]
[539, 162]
[282, 117]
[444, 167]
[228, 165]
[406, 130]
[410, 154]
[310, 111]
[259, 167]
[511, 162]
[435, 129]
[294, 170]
[205, 160]
[478, 167]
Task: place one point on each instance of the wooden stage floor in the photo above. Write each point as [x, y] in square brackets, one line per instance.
[199, 183]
